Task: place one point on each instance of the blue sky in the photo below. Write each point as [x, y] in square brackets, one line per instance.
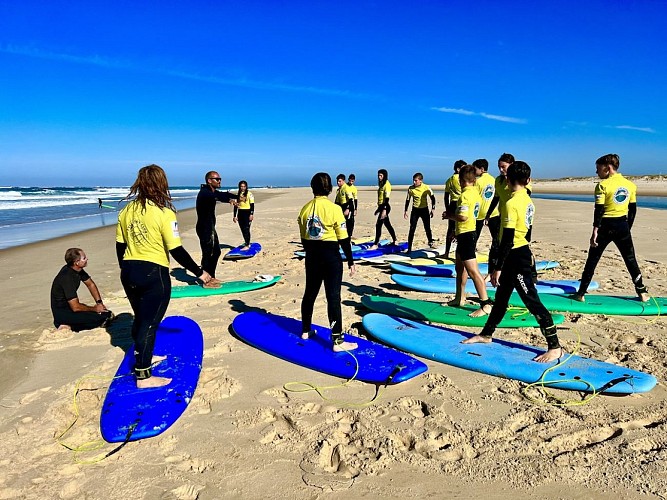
[273, 91]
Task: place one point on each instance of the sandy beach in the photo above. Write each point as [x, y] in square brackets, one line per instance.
[448, 433]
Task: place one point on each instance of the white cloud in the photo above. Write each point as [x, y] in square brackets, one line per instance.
[488, 116]
[639, 129]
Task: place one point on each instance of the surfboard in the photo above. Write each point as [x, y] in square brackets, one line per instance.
[196, 290]
[108, 206]
[404, 257]
[129, 413]
[383, 250]
[355, 248]
[603, 304]
[449, 270]
[505, 359]
[281, 337]
[436, 312]
[448, 285]
[237, 253]
[481, 257]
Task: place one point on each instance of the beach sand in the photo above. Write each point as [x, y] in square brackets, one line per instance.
[449, 433]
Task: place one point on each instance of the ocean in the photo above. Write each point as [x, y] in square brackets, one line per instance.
[29, 214]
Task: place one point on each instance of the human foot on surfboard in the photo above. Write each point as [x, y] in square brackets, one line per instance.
[150, 382]
[546, 357]
[340, 347]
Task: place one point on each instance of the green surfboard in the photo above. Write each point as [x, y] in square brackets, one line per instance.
[196, 290]
[601, 304]
[434, 311]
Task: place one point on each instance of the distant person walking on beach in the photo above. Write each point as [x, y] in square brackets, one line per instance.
[68, 312]
[514, 263]
[99, 202]
[452, 195]
[615, 211]
[322, 229]
[383, 209]
[244, 212]
[420, 194]
[351, 179]
[146, 235]
[467, 210]
[208, 237]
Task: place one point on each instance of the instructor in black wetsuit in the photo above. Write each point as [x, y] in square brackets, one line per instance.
[208, 237]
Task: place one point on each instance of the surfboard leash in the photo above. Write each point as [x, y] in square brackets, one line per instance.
[95, 444]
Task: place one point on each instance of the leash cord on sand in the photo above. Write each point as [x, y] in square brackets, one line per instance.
[95, 444]
[307, 387]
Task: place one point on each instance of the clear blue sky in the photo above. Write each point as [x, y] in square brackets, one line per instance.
[273, 91]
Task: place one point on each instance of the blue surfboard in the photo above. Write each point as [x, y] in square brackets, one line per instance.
[448, 285]
[237, 253]
[129, 413]
[505, 359]
[449, 270]
[281, 337]
[364, 252]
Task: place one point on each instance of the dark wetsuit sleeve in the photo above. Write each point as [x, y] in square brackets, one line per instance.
[236, 210]
[347, 250]
[632, 212]
[432, 202]
[120, 252]
[597, 215]
[506, 245]
[529, 191]
[252, 209]
[529, 234]
[494, 204]
[225, 197]
[407, 203]
[356, 203]
[181, 256]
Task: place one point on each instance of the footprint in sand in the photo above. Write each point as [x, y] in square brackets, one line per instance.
[185, 492]
[214, 385]
[33, 396]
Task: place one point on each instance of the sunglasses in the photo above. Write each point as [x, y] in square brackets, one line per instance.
[215, 179]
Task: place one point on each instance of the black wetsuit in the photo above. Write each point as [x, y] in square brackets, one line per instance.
[208, 237]
[64, 288]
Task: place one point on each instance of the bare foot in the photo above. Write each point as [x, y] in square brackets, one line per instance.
[456, 303]
[150, 382]
[212, 284]
[485, 310]
[306, 335]
[345, 346]
[477, 339]
[244, 248]
[157, 359]
[644, 297]
[373, 247]
[64, 327]
[550, 355]
[578, 297]
[215, 280]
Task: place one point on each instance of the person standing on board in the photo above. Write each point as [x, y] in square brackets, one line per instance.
[146, 235]
[244, 212]
[513, 268]
[322, 229]
[615, 211]
[208, 237]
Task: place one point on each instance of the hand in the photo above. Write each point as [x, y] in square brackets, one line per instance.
[355, 213]
[251, 217]
[346, 213]
[353, 270]
[383, 215]
[236, 219]
[486, 221]
[431, 214]
[99, 308]
[444, 215]
[405, 215]
[205, 277]
[594, 238]
[495, 276]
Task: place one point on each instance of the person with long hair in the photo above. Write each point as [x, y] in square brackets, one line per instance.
[383, 209]
[323, 230]
[146, 235]
[244, 212]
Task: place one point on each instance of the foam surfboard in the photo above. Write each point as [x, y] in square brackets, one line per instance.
[506, 359]
[355, 248]
[196, 290]
[281, 337]
[481, 257]
[238, 253]
[603, 304]
[129, 413]
[436, 312]
[403, 257]
[448, 285]
[449, 270]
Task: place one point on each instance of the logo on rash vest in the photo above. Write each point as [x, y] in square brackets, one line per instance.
[174, 229]
[315, 227]
[488, 192]
[530, 213]
[621, 195]
[476, 210]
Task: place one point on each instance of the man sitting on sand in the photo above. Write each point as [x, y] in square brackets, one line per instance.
[68, 312]
[513, 267]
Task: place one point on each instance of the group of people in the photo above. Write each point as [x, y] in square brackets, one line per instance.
[147, 235]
